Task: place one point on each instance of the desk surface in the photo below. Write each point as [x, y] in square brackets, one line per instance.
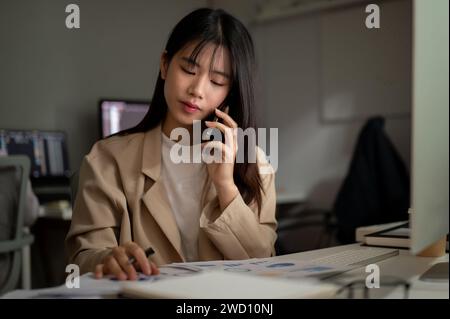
[404, 266]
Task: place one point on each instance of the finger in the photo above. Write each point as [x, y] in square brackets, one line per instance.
[228, 154]
[219, 126]
[228, 131]
[112, 267]
[235, 141]
[230, 134]
[227, 118]
[138, 253]
[154, 269]
[99, 271]
[223, 153]
[212, 152]
[123, 260]
[212, 145]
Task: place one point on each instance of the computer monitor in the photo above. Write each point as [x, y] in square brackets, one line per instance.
[117, 115]
[47, 151]
[430, 126]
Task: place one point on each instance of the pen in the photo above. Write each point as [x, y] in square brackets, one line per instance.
[148, 252]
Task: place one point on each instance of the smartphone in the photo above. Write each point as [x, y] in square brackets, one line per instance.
[213, 118]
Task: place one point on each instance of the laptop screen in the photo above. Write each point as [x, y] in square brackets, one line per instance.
[47, 151]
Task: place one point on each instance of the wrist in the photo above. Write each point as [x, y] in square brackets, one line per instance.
[226, 193]
[225, 187]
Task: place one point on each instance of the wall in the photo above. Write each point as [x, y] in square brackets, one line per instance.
[315, 151]
[52, 77]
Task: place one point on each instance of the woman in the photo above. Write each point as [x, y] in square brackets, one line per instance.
[133, 196]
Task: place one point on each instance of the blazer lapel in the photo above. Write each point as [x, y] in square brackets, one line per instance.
[155, 198]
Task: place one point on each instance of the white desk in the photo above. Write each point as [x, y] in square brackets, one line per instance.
[403, 266]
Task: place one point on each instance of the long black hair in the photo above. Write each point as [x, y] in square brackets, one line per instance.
[216, 26]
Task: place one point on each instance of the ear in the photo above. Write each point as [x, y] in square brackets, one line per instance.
[164, 65]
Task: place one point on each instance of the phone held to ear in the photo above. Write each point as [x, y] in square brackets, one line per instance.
[212, 118]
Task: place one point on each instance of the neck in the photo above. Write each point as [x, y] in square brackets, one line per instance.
[169, 124]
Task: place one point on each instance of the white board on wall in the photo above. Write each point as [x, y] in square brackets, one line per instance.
[366, 72]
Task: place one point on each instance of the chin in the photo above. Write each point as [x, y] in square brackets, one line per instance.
[185, 120]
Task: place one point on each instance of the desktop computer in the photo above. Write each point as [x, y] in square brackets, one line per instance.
[47, 151]
[116, 115]
[430, 130]
[48, 154]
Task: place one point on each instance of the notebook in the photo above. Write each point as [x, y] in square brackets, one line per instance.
[398, 236]
[218, 284]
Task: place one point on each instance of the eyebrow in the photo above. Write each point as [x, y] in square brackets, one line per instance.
[191, 61]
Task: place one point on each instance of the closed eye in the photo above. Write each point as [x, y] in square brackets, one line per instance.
[187, 71]
[193, 73]
[218, 84]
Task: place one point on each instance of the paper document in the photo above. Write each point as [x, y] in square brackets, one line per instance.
[269, 267]
[218, 284]
[109, 287]
[89, 287]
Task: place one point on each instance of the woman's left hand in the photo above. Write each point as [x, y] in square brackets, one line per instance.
[221, 172]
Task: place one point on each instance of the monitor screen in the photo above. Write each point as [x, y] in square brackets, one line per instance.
[430, 138]
[118, 115]
[47, 151]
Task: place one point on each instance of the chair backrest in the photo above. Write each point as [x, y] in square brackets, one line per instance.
[10, 246]
[376, 188]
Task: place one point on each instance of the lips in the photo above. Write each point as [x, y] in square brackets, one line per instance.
[190, 108]
[191, 105]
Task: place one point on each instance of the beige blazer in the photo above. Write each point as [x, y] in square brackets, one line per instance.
[121, 198]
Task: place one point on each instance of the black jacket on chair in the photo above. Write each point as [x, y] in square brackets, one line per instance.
[376, 188]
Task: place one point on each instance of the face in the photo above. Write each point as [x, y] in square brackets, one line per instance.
[193, 89]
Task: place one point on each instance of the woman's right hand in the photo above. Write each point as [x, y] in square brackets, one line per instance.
[117, 263]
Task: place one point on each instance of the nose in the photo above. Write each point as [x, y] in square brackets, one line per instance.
[196, 87]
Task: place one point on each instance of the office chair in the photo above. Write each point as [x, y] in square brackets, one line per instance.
[13, 197]
[376, 187]
[374, 191]
[305, 228]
